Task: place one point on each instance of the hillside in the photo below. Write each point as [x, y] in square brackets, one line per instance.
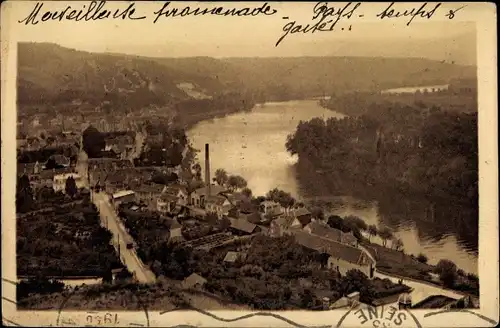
[52, 74]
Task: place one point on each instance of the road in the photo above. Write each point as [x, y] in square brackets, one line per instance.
[421, 290]
[113, 224]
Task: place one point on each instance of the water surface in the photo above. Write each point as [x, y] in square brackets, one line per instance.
[252, 144]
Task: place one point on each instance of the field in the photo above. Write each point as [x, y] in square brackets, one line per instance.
[65, 240]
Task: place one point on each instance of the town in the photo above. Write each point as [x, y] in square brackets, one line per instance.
[134, 206]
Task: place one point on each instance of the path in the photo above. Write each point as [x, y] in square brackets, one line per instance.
[421, 290]
[120, 236]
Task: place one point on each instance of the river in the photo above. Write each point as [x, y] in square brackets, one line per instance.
[252, 144]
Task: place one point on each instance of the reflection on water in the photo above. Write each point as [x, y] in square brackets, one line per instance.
[252, 144]
[419, 235]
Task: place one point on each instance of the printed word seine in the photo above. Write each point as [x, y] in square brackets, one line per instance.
[382, 317]
[94, 11]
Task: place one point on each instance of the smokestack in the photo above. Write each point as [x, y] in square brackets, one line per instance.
[207, 169]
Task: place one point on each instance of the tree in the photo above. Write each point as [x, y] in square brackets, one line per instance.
[93, 142]
[221, 177]
[197, 171]
[353, 221]
[236, 182]
[71, 188]
[447, 271]
[397, 244]
[24, 194]
[247, 192]
[422, 258]
[317, 213]
[336, 222]
[385, 233]
[51, 164]
[372, 231]
[284, 198]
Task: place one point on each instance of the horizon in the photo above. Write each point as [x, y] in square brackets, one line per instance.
[150, 56]
[256, 37]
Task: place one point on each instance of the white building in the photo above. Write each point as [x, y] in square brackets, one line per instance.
[271, 208]
[123, 196]
[59, 181]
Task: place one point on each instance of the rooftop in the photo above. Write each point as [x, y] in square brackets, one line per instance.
[193, 280]
[330, 247]
[434, 302]
[217, 200]
[242, 225]
[301, 211]
[66, 175]
[231, 256]
[123, 193]
[214, 190]
[324, 231]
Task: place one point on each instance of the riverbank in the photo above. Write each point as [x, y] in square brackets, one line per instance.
[407, 267]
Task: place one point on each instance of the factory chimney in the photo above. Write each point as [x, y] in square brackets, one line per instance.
[207, 170]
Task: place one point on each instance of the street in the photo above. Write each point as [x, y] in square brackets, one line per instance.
[128, 256]
[421, 290]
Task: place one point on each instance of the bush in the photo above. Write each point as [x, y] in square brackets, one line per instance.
[422, 258]
[38, 285]
[447, 271]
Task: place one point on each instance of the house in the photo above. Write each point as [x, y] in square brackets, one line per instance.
[303, 215]
[166, 203]
[348, 238]
[58, 161]
[235, 198]
[29, 169]
[436, 302]
[99, 168]
[350, 300]
[122, 197]
[59, 181]
[175, 232]
[114, 182]
[219, 205]
[193, 281]
[232, 257]
[179, 191]
[342, 258]
[271, 208]
[254, 217]
[242, 227]
[324, 231]
[199, 195]
[46, 177]
[148, 194]
[284, 225]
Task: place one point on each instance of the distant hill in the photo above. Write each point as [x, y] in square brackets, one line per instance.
[54, 74]
[51, 74]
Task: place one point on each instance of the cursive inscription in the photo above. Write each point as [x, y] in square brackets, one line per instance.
[94, 11]
[326, 19]
[166, 11]
[421, 11]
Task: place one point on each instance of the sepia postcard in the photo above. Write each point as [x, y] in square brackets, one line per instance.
[249, 164]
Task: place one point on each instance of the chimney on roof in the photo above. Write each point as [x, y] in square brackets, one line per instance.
[207, 169]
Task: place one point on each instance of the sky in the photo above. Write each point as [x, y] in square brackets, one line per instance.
[243, 36]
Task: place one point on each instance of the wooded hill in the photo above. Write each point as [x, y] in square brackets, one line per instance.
[51, 74]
